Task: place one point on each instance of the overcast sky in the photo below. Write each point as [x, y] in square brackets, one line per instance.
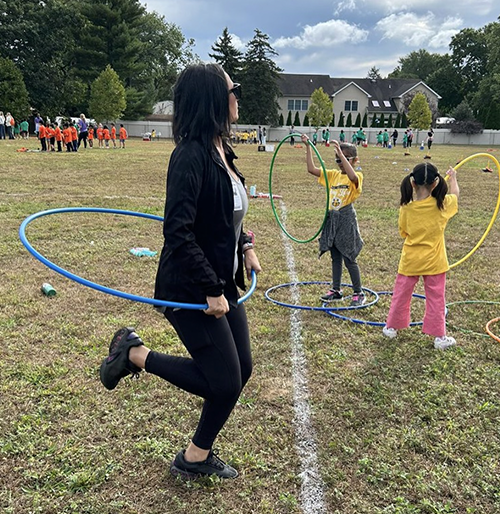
[338, 38]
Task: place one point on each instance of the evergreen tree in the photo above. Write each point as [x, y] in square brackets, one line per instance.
[404, 121]
[419, 113]
[374, 73]
[13, 92]
[107, 96]
[389, 122]
[259, 78]
[306, 123]
[225, 54]
[296, 120]
[332, 123]
[381, 120]
[320, 109]
[348, 122]
[281, 121]
[289, 119]
[397, 123]
[364, 123]
[357, 123]
[341, 119]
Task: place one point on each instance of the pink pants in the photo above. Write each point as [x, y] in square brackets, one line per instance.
[435, 303]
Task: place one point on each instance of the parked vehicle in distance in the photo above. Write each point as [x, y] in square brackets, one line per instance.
[442, 122]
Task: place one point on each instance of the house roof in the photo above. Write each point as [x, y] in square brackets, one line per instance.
[377, 90]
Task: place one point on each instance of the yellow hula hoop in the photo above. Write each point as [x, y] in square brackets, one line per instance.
[488, 330]
[495, 212]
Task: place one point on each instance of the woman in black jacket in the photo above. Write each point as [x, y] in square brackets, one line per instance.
[204, 258]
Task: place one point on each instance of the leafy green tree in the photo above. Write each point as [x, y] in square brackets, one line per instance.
[296, 120]
[446, 81]
[227, 55]
[470, 57]
[289, 119]
[419, 64]
[419, 113]
[107, 96]
[465, 122]
[374, 73]
[487, 101]
[13, 92]
[320, 108]
[259, 78]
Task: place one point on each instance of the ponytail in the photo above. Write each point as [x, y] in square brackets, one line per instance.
[439, 192]
[406, 190]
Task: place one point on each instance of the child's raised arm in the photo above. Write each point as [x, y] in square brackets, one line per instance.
[311, 168]
[452, 181]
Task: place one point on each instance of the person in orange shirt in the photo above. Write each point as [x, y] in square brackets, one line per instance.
[123, 136]
[107, 136]
[100, 135]
[42, 132]
[91, 136]
[51, 137]
[113, 134]
[58, 136]
[74, 137]
[68, 138]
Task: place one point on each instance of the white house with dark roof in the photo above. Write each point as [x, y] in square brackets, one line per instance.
[349, 95]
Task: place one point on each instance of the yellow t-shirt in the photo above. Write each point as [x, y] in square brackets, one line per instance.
[422, 225]
[342, 190]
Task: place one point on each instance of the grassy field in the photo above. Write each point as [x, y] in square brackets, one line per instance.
[401, 428]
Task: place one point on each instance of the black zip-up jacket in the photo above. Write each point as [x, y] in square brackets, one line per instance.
[198, 253]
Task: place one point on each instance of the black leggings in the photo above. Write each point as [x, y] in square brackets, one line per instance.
[220, 367]
[352, 268]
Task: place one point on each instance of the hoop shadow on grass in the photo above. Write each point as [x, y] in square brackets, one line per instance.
[98, 287]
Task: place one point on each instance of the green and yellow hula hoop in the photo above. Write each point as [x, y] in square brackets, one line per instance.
[495, 212]
[327, 187]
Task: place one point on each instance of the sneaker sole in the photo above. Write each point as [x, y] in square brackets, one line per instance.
[189, 475]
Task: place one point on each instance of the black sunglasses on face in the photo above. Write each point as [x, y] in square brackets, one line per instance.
[236, 90]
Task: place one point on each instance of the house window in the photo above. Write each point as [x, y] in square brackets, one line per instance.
[290, 105]
[298, 105]
[351, 105]
[305, 105]
[387, 103]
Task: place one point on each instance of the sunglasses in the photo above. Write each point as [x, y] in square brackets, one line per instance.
[236, 90]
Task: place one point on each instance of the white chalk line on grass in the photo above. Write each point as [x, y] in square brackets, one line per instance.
[312, 487]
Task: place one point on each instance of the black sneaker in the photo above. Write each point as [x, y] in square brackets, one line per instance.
[331, 296]
[212, 465]
[116, 365]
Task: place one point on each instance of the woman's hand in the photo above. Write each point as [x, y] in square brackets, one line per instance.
[304, 138]
[217, 306]
[251, 263]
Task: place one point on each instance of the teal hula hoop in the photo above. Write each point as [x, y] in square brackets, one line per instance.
[273, 206]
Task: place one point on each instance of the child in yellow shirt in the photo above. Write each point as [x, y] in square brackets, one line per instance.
[422, 221]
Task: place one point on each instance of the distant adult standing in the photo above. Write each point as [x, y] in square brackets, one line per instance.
[2, 125]
[394, 137]
[264, 136]
[385, 138]
[8, 125]
[342, 136]
[259, 133]
[430, 138]
[83, 132]
[410, 138]
[38, 120]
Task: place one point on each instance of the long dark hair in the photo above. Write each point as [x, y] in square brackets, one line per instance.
[201, 104]
[424, 174]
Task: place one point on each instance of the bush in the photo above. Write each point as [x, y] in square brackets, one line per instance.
[466, 127]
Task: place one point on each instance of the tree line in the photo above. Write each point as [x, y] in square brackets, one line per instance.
[63, 57]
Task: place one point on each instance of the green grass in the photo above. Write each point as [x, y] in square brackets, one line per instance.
[401, 428]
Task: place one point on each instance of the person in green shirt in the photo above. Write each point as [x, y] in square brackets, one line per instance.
[342, 136]
[24, 129]
[315, 137]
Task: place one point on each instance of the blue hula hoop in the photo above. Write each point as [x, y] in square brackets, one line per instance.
[376, 323]
[267, 294]
[103, 289]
